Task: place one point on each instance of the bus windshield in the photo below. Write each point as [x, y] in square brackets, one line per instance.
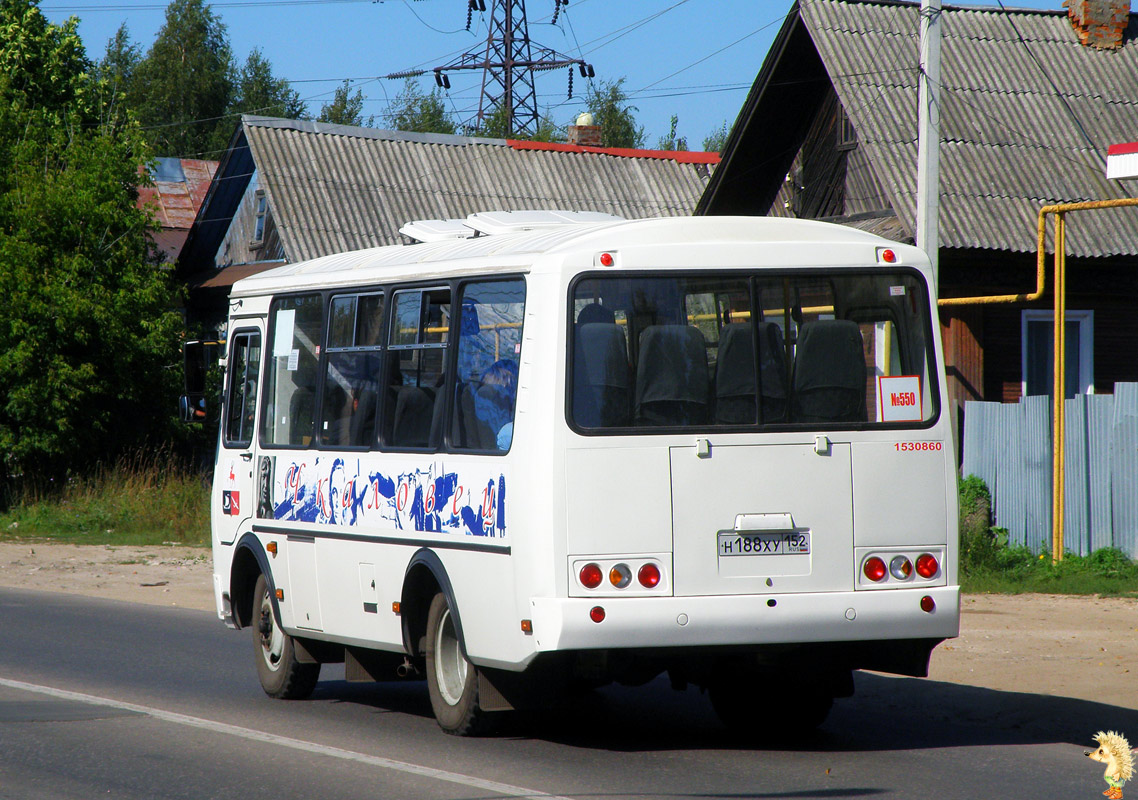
[844, 348]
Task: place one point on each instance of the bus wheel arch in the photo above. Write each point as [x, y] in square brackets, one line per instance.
[424, 578]
[249, 562]
[432, 631]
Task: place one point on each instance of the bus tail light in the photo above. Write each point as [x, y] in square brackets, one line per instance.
[874, 569]
[900, 567]
[597, 614]
[591, 576]
[620, 576]
[927, 566]
[928, 605]
[649, 575]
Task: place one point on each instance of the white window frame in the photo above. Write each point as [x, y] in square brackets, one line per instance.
[1086, 320]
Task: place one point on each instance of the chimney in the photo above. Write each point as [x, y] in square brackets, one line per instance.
[1099, 23]
[585, 133]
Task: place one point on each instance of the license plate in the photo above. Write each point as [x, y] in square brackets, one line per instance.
[773, 543]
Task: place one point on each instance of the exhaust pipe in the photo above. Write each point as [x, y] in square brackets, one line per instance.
[407, 669]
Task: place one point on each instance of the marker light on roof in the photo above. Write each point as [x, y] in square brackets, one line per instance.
[606, 259]
[886, 255]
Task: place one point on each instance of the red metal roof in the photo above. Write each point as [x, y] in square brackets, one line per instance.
[176, 202]
[679, 156]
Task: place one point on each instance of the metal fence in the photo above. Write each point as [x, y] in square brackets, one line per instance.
[1009, 447]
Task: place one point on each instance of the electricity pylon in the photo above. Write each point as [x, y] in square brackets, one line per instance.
[508, 63]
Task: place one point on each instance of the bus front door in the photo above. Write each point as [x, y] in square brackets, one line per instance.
[234, 482]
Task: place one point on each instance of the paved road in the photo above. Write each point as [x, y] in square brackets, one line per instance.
[106, 699]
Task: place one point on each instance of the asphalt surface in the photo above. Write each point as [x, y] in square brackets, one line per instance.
[107, 699]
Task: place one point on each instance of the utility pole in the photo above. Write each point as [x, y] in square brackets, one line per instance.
[928, 135]
[508, 62]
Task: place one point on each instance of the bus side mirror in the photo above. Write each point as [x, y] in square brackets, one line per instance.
[192, 408]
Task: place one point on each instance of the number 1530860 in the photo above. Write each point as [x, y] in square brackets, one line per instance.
[733, 543]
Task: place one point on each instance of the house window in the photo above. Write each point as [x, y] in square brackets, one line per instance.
[1038, 338]
[260, 210]
[847, 136]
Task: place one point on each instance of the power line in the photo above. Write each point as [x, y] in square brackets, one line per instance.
[221, 4]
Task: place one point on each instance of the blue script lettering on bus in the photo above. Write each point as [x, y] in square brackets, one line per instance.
[339, 492]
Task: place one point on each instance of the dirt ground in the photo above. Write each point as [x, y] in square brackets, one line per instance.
[1078, 647]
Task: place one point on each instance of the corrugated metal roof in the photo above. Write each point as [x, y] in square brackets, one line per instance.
[1027, 115]
[180, 185]
[338, 188]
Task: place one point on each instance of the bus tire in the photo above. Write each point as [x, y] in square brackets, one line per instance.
[452, 681]
[281, 675]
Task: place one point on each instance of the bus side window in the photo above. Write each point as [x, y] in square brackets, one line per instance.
[415, 376]
[289, 410]
[489, 350]
[244, 370]
[351, 377]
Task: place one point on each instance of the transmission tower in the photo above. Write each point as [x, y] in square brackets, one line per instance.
[508, 62]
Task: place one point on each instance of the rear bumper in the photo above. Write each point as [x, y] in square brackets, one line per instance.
[655, 622]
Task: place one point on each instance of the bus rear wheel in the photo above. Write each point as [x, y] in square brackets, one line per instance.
[281, 675]
[452, 681]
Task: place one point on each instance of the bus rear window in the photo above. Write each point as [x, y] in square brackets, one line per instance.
[844, 349]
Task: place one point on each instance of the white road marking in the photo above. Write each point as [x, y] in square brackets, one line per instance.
[285, 741]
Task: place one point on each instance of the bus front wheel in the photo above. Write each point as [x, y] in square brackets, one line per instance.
[281, 675]
[452, 681]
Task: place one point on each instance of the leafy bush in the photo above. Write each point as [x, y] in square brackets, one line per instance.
[980, 543]
[989, 564]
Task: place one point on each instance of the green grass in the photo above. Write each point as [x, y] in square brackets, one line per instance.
[147, 500]
[1017, 570]
[989, 564]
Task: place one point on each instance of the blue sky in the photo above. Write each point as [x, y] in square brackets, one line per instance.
[692, 58]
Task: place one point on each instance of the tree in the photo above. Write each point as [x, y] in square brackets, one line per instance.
[86, 328]
[548, 131]
[494, 124]
[609, 105]
[717, 139]
[411, 110]
[258, 92]
[120, 60]
[671, 142]
[114, 75]
[346, 108]
[183, 87]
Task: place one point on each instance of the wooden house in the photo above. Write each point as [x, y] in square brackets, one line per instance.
[1030, 103]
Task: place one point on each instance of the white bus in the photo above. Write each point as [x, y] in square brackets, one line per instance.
[716, 448]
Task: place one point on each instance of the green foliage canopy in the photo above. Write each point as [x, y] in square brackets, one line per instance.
[86, 330]
[412, 110]
[257, 91]
[671, 141]
[181, 90]
[346, 108]
[716, 141]
[608, 103]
